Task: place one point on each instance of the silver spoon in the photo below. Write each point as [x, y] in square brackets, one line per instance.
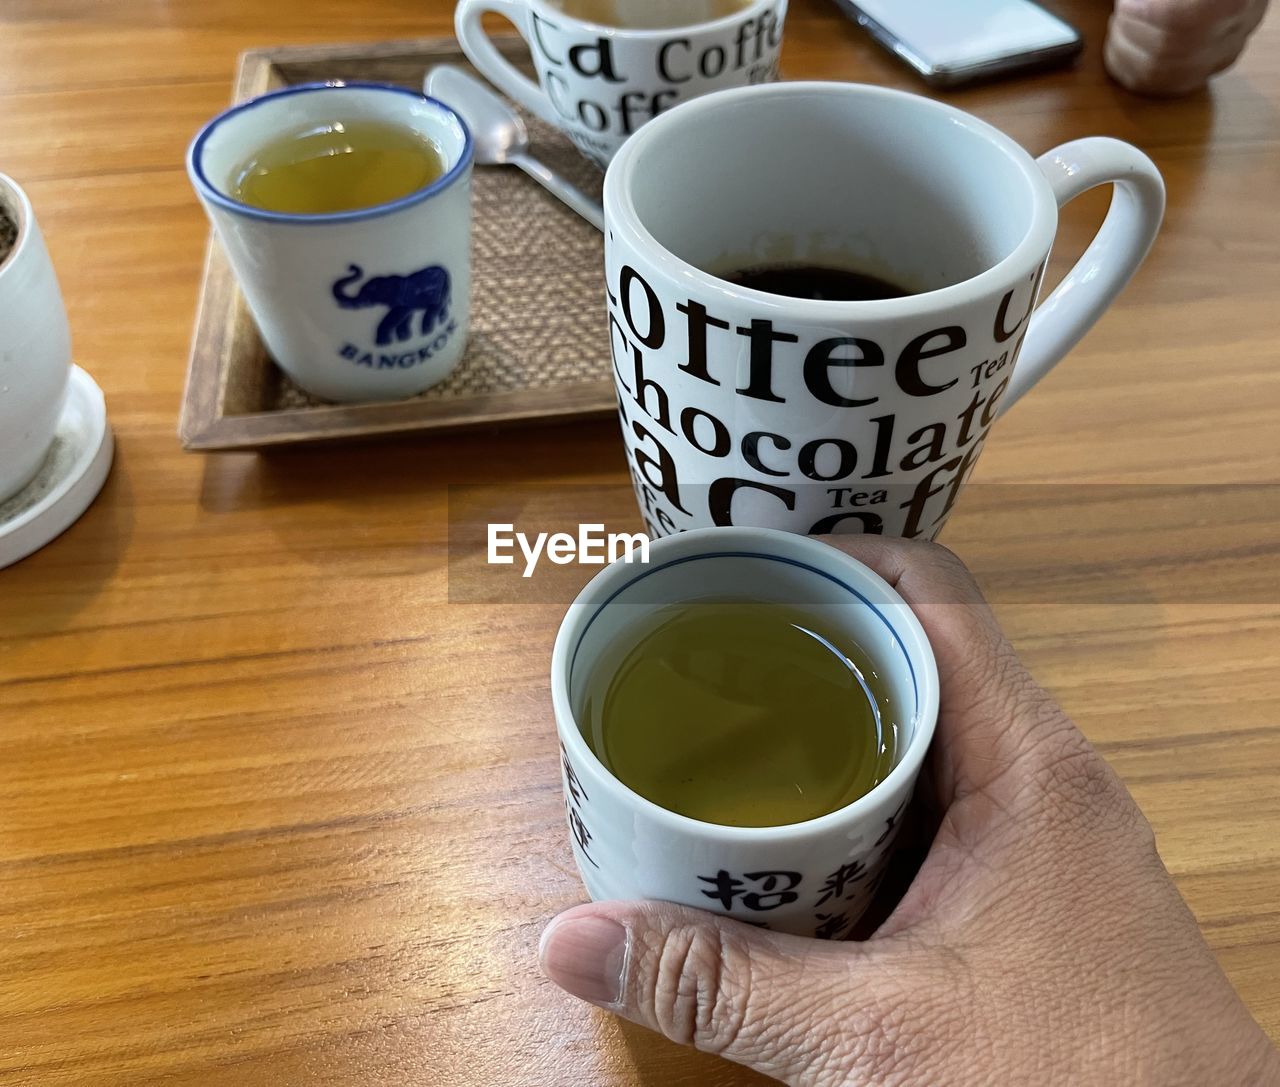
[501, 137]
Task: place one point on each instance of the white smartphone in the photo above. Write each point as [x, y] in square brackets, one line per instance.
[950, 42]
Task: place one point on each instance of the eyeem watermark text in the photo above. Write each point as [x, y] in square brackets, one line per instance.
[592, 546]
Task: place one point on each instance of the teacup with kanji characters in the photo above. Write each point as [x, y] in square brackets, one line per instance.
[813, 877]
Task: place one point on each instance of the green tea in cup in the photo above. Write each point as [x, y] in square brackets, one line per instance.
[741, 713]
[341, 165]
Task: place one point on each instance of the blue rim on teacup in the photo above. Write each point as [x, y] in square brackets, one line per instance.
[872, 592]
[215, 195]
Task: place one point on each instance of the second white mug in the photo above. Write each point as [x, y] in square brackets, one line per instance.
[600, 83]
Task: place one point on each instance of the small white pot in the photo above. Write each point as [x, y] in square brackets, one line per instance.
[35, 348]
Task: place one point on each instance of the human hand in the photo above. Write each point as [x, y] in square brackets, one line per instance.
[1171, 47]
[1042, 941]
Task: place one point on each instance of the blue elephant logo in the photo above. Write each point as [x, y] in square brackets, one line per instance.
[425, 292]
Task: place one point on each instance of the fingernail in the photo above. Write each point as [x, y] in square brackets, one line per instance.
[586, 956]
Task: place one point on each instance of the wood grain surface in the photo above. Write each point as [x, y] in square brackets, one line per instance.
[279, 799]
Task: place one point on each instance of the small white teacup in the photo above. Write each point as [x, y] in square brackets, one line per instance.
[814, 878]
[369, 304]
[35, 347]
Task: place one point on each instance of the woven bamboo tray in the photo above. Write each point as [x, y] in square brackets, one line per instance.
[539, 347]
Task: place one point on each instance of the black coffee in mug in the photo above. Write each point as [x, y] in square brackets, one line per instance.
[821, 283]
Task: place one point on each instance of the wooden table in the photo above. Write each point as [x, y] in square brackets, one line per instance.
[274, 809]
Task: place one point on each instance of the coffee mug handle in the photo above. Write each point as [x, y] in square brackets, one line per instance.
[1137, 208]
[491, 63]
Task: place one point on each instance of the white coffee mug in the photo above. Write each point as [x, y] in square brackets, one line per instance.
[813, 878]
[744, 407]
[35, 347]
[370, 304]
[601, 83]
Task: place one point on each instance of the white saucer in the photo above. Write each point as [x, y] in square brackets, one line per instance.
[68, 481]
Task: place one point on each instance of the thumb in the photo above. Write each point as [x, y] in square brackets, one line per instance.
[808, 1013]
